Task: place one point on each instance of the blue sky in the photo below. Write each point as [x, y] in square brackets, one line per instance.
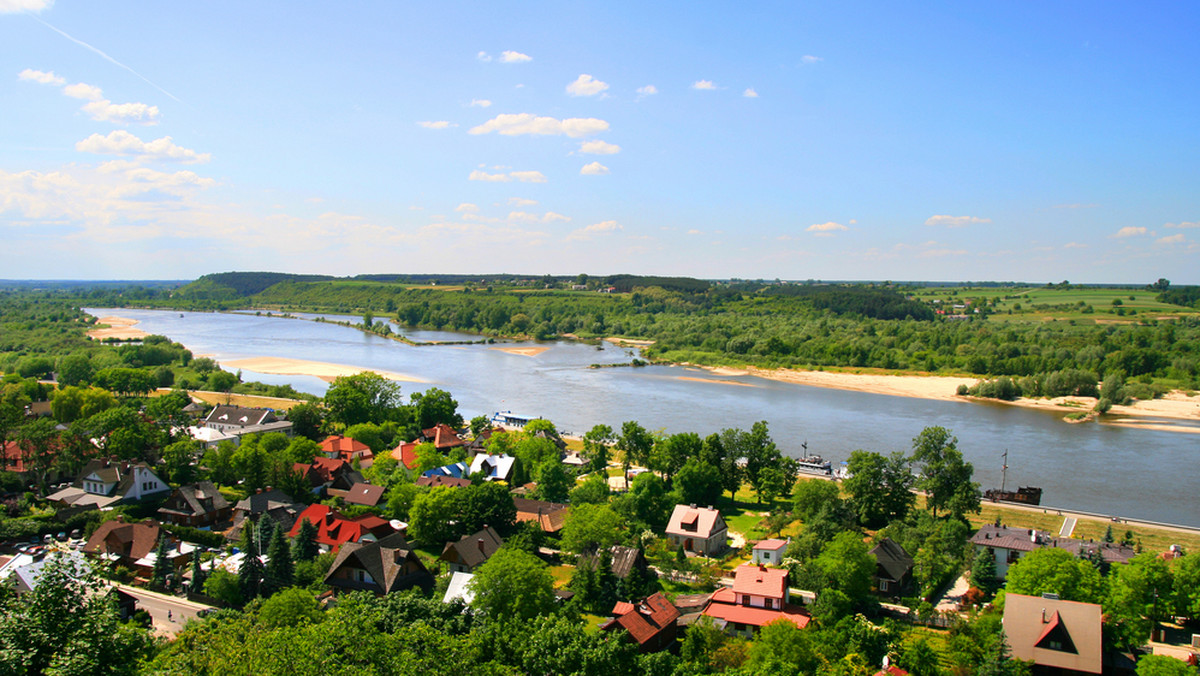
[919, 141]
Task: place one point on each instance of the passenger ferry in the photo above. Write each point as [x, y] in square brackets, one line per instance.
[510, 419]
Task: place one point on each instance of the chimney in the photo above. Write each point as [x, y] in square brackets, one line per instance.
[257, 491]
[479, 542]
[1043, 616]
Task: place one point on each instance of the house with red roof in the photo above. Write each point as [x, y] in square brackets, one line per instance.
[335, 530]
[759, 596]
[344, 448]
[650, 623]
[325, 473]
[442, 436]
[406, 454]
[697, 529]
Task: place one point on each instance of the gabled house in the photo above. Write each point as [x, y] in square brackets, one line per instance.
[759, 596]
[123, 543]
[893, 567]
[198, 505]
[1009, 544]
[623, 560]
[406, 454]
[104, 483]
[1063, 636]
[549, 516]
[471, 551]
[650, 623]
[494, 467]
[236, 421]
[335, 530]
[337, 447]
[701, 530]
[272, 503]
[363, 494]
[384, 566]
[443, 438]
[329, 473]
[16, 456]
[769, 552]
[455, 470]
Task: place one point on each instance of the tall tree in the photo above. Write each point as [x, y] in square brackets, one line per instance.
[697, 483]
[363, 397]
[279, 572]
[435, 406]
[1055, 571]
[879, 487]
[513, 584]
[304, 546]
[946, 476]
[162, 563]
[251, 571]
[595, 444]
[553, 484]
[635, 444]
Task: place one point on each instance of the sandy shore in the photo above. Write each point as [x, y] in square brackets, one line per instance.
[523, 351]
[299, 367]
[120, 328]
[622, 342]
[1158, 412]
[715, 382]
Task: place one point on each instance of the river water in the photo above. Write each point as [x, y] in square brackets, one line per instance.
[1132, 473]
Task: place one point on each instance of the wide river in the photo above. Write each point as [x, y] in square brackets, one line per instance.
[1133, 473]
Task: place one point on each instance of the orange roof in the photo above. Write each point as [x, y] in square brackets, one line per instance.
[442, 436]
[760, 581]
[345, 448]
[646, 620]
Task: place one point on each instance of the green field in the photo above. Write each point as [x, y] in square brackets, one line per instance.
[1089, 305]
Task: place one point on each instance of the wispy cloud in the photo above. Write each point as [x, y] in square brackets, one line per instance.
[596, 229]
[598, 147]
[484, 57]
[521, 176]
[1183, 224]
[810, 59]
[98, 107]
[955, 221]
[586, 85]
[85, 45]
[521, 202]
[467, 208]
[14, 6]
[704, 85]
[514, 57]
[1171, 239]
[121, 142]
[518, 124]
[439, 124]
[648, 90]
[594, 169]
[750, 93]
[1131, 231]
[480, 103]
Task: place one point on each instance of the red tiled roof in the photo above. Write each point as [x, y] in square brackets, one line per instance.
[333, 529]
[758, 617]
[406, 454]
[622, 607]
[442, 436]
[646, 620]
[771, 545]
[345, 448]
[891, 670]
[760, 581]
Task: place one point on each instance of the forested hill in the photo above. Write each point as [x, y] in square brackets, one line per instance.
[231, 285]
[868, 301]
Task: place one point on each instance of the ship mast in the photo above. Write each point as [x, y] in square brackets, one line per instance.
[1004, 471]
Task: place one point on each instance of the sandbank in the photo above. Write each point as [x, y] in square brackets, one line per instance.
[1173, 406]
[715, 382]
[120, 328]
[282, 366]
[523, 351]
[621, 342]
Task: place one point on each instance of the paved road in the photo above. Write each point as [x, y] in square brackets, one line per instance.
[159, 605]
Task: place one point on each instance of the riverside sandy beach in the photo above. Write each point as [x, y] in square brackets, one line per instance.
[121, 328]
[300, 367]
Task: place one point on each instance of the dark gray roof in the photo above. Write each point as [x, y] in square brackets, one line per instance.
[390, 561]
[242, 417]
[623, 559]
[892, 558]
[1026, 540]
[474, 549]
[197, 499]
[261, 502]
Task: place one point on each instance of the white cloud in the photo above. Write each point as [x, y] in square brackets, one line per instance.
[439, 124]
[14, 6]
[825, 229]
[648, 90]
[693, 231]
[586, 85]
[490, 178]
[1171, 239]
[121, 142]
[80, 90]
[809, 58]
[750, 93]
[1183, 224]
[599, 148]
[1130, 231]
[1075, 245]
[517, 124]
[467, 208]
[107, 111]
[602, 228]
[551, 217]
[528, 176]
[521, 202]
[522, 176]
[704, 85]
[514, 57]
[484, 56]
[526, 217]
[594, 169]
[480, 103]
[955, 221]
[31, 75]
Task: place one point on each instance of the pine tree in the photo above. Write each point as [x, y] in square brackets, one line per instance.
[304, 547]
[197, 573]
[266, 528]
[606, 583]
[251, 573]
[279, 573]
[1108, 534]
[162, 564]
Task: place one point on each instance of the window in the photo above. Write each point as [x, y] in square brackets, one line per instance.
[1013, 555]
[883, 585]
[770, 603]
